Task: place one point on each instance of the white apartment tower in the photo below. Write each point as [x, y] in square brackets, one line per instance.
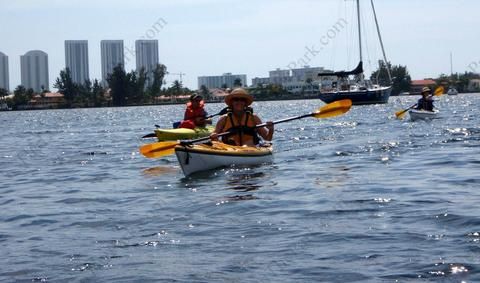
[76, 60]
[4, 79]
[34, 70]
[146, 52]
[112, 56]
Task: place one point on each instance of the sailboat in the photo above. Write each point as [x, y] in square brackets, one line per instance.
[358, 90]
[451, 89]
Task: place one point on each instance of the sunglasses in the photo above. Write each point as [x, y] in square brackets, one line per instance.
[239, 99]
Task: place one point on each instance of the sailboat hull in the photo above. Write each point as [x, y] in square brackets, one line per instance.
[359, 97]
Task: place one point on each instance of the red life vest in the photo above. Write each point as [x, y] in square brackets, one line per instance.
[192, 113]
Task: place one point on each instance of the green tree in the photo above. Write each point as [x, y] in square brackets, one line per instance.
[224, 86]
[401, 79]
[136, 89]
[98, 94]
[67, 87]
[462, 80]
[177, 88]
[237, 82]
[118, 83]
[204, 91]
[21, 96]
[3, 93]
[158, 76]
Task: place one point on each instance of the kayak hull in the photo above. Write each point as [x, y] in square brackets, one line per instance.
[202, 157]
[182, 133]
[422, 114]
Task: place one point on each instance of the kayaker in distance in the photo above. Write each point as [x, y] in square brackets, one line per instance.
[241, 121]
[195, 114]
[426, 102]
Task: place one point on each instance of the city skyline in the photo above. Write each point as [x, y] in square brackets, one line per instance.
[208, 37]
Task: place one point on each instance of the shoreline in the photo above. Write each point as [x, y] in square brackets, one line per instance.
[209, 101]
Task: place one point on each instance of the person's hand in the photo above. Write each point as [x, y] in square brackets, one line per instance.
[214, 137]
[270, 126]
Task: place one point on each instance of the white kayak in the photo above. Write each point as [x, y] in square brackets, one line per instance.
[202, 157]
[422, 114]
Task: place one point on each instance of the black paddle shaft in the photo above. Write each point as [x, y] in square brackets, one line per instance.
[287, 120]
[187, 142]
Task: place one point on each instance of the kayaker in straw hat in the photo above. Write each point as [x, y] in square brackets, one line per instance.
[426, 102]
[241, 121]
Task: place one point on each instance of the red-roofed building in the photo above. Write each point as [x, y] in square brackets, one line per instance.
[47, 100]
[417, 85]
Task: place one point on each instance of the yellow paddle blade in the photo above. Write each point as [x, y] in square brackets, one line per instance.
[334, 109]
[160, 153]
[439, 91]
[158, 149]
[401, 113]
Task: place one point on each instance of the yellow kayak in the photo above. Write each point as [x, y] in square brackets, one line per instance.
[183, 134]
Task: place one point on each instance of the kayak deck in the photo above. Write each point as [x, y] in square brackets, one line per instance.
[202, 157]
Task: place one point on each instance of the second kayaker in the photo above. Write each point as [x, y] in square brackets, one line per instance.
[426, 102]
[195, 114]
[241, 121]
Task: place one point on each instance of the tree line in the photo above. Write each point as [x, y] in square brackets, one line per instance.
[138, 88]
[120, 89]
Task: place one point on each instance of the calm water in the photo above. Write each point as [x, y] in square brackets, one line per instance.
[358, 198]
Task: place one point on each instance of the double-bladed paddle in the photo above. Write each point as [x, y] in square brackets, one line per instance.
[159, 149]
[438, 91]
[222, 112]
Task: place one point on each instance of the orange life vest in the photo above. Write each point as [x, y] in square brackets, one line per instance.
[242, 130]
[192, 113]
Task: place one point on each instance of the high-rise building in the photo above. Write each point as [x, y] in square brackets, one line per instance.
[34, 70]
[4, 79]
[76, 60]
[279, 76]
[227, 79]
[146, 52]
[112, 56]
[307, 72]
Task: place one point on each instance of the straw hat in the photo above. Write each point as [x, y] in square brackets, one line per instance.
[238, 93]
[426, 89]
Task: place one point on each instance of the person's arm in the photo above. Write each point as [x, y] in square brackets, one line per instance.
[265, 132]
[218, 128]
[419, 104]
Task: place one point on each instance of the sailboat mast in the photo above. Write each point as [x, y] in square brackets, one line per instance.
[451, 65]
[359, 30]
[381, 42]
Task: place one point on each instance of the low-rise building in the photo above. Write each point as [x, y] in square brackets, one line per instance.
[260, 82]
[227, 79]
[47, 100]
[474, 85]
[417, 85]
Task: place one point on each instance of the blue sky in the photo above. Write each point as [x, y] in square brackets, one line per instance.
[211, 37]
